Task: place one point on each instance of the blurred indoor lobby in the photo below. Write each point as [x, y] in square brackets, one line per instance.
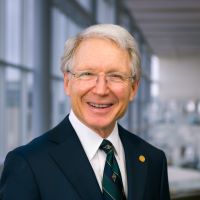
[166, 111]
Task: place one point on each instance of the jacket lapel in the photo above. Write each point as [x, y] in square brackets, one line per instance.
[136, 165]
[70, 157]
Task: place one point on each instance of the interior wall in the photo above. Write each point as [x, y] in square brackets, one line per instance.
[179, 78]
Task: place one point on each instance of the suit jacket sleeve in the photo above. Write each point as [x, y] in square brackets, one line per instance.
[17, 181]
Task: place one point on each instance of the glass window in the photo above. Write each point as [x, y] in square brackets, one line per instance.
[62, 28]
[16, 73]
[86, 4]
[18, 33]
[13, 30]
[2, 27]
[135, 116]
[27, 35]
[106, 11]
[61, 105]
[13, 107]
[155, 66]
[2, 113]
[16, 106]
[27, 107]
[124, 121]
[125, 21]
[59, 36]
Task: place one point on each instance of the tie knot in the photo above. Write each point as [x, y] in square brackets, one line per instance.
[106, 146]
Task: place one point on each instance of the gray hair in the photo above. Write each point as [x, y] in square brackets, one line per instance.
[115, 33]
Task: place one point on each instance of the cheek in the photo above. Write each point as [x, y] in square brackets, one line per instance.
[127, 92]
[123, 93]
[76, 90]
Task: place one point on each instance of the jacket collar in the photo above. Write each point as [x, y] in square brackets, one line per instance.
[135, 165]
[70, 157]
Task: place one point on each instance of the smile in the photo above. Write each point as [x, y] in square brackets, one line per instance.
[95, 105]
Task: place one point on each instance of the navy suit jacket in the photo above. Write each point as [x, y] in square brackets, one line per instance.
[54, 166]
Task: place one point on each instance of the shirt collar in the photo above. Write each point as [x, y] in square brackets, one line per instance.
[90, 140]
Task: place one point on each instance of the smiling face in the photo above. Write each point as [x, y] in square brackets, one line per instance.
[100, 104]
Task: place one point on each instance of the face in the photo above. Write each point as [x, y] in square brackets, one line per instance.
[99, 105]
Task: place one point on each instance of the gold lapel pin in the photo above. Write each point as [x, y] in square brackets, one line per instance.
[141, 158]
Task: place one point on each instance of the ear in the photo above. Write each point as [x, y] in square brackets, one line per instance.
[66, 83]
[134, 89]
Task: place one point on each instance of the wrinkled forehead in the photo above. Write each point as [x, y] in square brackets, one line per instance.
[97, 53]
[80, 40]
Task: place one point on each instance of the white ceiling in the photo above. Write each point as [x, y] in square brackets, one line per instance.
[171, 27]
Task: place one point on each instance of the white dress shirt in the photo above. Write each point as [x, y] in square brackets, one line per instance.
[91, 141]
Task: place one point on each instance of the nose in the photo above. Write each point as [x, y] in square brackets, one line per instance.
[101, 86]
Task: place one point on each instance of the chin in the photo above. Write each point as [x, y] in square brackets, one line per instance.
[101, 124]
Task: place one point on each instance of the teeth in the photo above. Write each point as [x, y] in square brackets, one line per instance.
[99, 105]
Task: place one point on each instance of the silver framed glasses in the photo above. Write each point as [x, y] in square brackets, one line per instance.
[112, 77]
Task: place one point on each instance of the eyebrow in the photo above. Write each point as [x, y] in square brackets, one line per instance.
[95, 69]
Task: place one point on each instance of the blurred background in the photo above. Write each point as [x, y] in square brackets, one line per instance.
[166, 111]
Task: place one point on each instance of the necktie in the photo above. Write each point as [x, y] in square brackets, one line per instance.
[112, 181]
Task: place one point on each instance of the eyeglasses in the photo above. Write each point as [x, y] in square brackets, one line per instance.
[113, 78]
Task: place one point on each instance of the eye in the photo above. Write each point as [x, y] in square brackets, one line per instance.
[116, 77]
[86, 75]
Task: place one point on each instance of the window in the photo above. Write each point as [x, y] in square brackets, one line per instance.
[105, 11]
[86, 4]
[16, 73]
[62, 28]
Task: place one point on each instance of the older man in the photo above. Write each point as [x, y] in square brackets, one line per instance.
[88, 156]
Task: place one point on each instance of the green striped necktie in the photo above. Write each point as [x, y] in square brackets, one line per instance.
[112, 181]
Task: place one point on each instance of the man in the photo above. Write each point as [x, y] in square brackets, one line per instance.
[88, 156]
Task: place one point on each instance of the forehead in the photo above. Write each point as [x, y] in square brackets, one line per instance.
[100, 52]
[94, 41]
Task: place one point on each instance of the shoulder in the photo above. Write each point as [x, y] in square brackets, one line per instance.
[37, 147]
[41, 144]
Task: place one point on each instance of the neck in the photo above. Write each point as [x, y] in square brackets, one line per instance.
[103, 132]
